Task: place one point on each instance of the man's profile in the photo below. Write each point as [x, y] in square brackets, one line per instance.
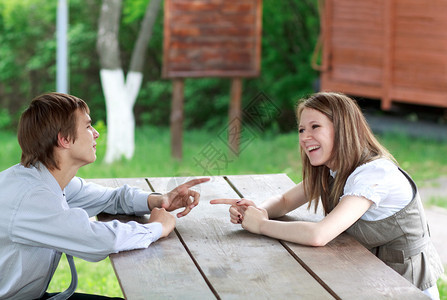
[45, 208]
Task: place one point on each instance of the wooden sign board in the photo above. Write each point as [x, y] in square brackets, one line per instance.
[212, 38]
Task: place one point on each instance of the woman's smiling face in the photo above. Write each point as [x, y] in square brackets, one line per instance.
[316, 134]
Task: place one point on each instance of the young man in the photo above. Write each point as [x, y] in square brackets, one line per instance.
[45, 209]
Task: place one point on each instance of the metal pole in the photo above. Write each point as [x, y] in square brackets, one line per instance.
[62, 47]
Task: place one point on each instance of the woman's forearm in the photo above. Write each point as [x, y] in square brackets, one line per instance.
[280, 205]
[346, 213]
[274, 206]
[304, 233]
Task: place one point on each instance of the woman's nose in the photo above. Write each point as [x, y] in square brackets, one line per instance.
[305, 136]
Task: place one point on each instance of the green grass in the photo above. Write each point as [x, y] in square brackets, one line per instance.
[437, 201]
[269, 153]
[423, 159]
[442, 286]
[93, 278]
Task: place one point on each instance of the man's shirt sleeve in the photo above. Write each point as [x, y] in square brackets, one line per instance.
[45, 220]
[95, 198]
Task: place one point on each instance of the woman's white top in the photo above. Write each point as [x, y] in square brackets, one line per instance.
[381, 182]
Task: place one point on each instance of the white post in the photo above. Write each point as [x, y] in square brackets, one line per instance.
[62, 47]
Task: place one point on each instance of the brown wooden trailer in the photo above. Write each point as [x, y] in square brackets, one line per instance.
[392, 50]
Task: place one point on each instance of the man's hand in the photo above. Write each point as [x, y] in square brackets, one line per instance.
[179, 197]
[166, 219]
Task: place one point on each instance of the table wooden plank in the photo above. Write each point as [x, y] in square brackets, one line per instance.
[238, 264]
[259, 188]
[364, 275]
[164, 270]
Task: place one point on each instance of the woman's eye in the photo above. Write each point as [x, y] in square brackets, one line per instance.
[301, 130]
[315, 126]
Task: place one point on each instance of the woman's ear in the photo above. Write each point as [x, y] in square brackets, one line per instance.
[62, 141]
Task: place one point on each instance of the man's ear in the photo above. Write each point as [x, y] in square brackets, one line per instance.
[62, 141]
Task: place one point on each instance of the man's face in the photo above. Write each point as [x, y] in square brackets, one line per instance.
[83, 149]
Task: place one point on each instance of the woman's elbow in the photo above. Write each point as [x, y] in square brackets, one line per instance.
[318, 242]
[318, 239]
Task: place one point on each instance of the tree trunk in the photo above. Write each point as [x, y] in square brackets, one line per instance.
[120, 97]
[120, 92]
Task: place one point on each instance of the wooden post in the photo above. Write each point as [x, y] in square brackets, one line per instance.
[177, 118]
[235, 115]
[387, 84]
[326, 34]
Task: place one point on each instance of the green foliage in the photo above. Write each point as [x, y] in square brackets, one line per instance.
[149, 109]
[28, 52]
[10, 150]
[100, 126]
[28, 58]
[5, 119]
[133, 11]
[26, 30]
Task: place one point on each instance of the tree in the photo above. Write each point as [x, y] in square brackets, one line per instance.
[121, 93]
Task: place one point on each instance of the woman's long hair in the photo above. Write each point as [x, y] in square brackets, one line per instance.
[354, 145]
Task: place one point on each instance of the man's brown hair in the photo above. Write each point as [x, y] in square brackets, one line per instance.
[47, 116]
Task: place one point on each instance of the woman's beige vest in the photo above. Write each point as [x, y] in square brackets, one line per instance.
[403, 242]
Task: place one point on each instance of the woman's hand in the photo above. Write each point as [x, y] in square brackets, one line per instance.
[254, 218]
[237, 208]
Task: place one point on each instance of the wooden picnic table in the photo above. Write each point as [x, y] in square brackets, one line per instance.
[207, 257]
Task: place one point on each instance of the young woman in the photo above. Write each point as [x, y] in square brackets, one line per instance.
[361, 188]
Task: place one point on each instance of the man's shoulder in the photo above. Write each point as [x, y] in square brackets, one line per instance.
[20, 170]
[11, 169]
[20, 176]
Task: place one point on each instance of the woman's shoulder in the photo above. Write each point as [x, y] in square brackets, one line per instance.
[381, 168]
[378, 164]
